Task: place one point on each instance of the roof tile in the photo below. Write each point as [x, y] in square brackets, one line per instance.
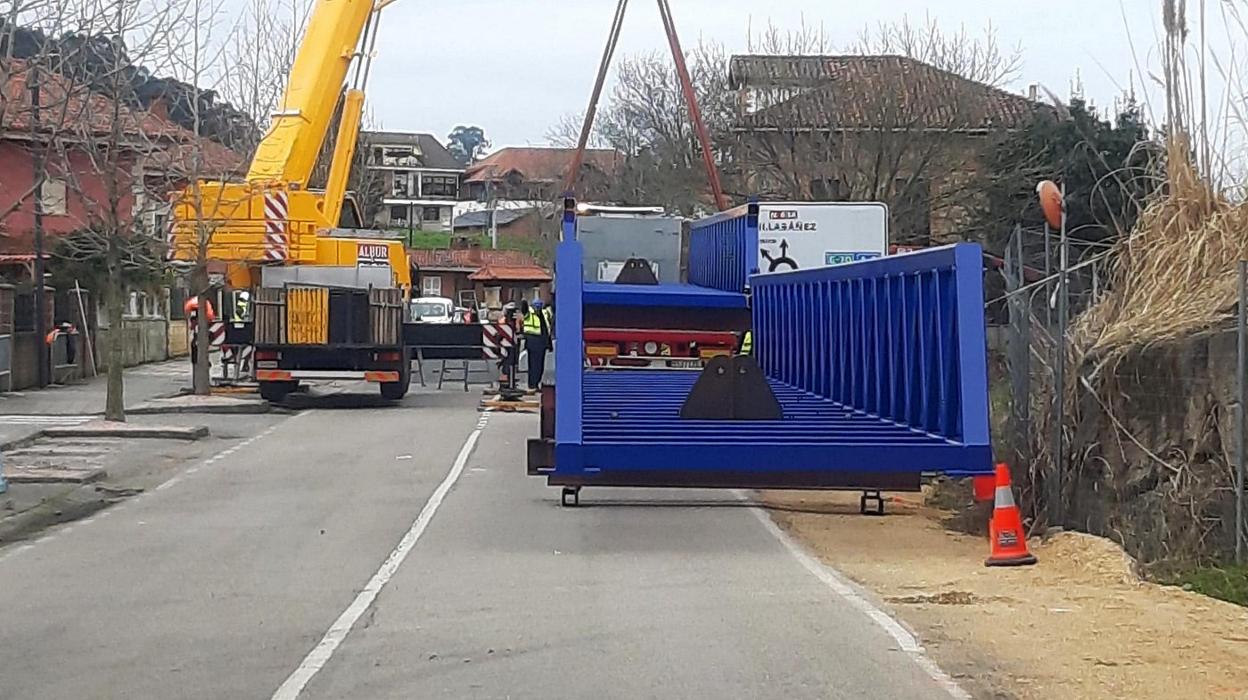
[868, 92]
[537, 164]
[511, 273]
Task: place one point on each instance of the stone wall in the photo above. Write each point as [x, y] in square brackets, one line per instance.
[1152, 453]
[144, 340]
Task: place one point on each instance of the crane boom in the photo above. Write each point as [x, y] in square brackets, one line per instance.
[288, 152]
[272, 217]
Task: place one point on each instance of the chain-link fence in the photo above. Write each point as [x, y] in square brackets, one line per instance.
[1148, 448]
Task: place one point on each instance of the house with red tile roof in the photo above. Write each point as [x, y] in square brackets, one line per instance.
[480, 277]
[72, 126]
[538, 173]
[889, 128]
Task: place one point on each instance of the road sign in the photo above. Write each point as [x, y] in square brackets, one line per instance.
[801, 235]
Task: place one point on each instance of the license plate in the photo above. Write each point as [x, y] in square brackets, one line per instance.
[684, 364]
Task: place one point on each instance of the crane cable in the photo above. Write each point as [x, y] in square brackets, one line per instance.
[686, 86]
[691, 102]
[587, 124]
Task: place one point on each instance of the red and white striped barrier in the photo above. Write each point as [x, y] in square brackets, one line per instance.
[498, 339]
[276, 218]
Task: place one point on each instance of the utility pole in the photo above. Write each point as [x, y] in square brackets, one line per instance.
[492, 202]
[37, 160]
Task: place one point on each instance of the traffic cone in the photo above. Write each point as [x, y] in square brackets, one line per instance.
[1005, 530]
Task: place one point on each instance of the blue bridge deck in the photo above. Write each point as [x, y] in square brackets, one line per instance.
[879, 367]
[631, 421]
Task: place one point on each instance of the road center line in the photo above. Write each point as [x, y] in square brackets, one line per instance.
[324, 650]
[840, 585]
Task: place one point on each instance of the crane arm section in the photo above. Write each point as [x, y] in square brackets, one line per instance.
[289, 150]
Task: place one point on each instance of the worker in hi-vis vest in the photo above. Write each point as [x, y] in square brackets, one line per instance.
[747, 343]
[537, 324]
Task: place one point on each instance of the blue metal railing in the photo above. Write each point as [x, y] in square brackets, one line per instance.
[901, 338]
[723, 249]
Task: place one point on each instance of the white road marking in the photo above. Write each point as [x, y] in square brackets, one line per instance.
[34, 419]
[324, 650]
[841, 586]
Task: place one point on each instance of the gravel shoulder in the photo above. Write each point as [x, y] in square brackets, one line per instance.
[1079, 625]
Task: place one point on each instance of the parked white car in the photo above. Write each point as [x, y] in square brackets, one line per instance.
[431, 310]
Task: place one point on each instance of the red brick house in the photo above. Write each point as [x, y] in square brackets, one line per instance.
[73, 125]
[480, 277]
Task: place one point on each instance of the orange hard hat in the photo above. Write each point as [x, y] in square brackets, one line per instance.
[1050, 202]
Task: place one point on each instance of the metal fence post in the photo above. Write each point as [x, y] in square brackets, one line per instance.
[1241, 365]
[1056, 506]
[1019, 349]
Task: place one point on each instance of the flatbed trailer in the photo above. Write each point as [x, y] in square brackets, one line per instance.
[878, 367]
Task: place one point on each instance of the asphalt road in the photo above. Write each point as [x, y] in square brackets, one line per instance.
[312, 560]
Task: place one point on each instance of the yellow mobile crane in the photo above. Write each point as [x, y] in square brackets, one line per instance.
[328, 300]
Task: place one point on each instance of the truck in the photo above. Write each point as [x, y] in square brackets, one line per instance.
[866, 375]
[638, 312]
[329, 297]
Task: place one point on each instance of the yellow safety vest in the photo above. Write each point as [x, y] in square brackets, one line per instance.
[747, 343]
[533, 323]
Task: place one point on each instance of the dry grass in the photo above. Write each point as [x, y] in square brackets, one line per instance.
[1174, 275]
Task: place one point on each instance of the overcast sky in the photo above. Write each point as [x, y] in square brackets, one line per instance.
[514, 67]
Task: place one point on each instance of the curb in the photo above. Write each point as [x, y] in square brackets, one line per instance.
[249, 408]
[157, 433]
[17, 443]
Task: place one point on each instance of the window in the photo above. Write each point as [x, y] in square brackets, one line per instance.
[431, 287]
[431, 214]
[400, 186]
[53, 201]
[493, 297]
[160, 224]
[398, 214]
[397, 156]
[439, 186]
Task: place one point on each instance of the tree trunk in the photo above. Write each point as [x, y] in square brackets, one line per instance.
[115, 400]
[200, 378]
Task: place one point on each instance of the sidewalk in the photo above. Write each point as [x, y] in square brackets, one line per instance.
[25, 413]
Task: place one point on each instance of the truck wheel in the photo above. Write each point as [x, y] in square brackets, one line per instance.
[275, 392]
[393, 391]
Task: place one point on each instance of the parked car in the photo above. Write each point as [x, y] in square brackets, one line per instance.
[431, 310]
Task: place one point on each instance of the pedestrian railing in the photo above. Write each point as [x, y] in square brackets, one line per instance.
[900, 338]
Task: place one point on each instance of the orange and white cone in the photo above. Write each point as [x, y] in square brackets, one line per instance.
[1005, 530]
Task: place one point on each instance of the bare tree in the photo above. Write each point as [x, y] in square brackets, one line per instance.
[262, 51]
[93, 143]
[200, 59]
[901, 120]
[646, 121]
